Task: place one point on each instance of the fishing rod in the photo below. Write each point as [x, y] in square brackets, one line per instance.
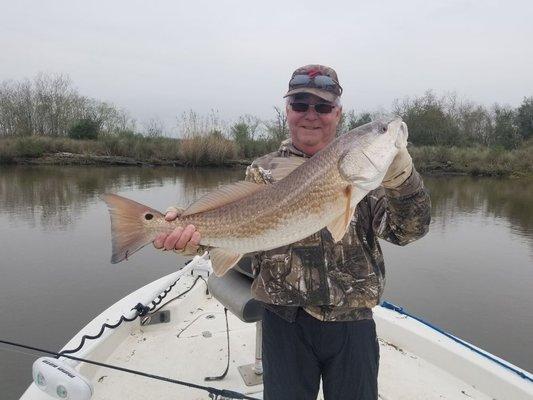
[63, 390]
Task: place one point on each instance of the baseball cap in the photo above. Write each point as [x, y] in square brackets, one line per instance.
[315, 79]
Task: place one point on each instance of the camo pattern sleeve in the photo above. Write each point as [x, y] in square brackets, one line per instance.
[260, 171]
[257, 174]
[401, 215]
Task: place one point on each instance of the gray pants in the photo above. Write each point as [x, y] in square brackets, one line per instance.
[297, 354]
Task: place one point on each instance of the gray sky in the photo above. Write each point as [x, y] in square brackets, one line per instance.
[161, 58]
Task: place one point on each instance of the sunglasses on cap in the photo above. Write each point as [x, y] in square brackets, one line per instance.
[319, 81]
[321, 108]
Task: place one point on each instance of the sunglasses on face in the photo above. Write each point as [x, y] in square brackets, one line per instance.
[319, 81]
[321, 108]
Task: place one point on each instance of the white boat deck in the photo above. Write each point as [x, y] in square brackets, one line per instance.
[200, 351]
[193, 345]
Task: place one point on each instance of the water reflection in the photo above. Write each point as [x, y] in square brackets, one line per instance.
[509, 199]
[55, 197]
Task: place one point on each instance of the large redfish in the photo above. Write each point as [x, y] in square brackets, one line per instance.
[245, 217]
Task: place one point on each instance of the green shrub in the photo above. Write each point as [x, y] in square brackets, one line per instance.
[29, 147]
[85, 128]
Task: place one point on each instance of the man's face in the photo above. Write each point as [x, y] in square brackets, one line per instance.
[312, 131]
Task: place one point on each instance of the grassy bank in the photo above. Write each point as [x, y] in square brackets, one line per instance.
[474, 160]
[216, 150]
[137, 147]
[195, 151]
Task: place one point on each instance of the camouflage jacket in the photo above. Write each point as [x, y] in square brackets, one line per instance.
[337, 281]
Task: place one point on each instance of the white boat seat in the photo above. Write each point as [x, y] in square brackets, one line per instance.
[233, 291]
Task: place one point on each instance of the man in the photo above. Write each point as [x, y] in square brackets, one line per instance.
[318, 294]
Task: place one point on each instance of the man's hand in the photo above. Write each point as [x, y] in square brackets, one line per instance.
[399, 170]
[184, 240]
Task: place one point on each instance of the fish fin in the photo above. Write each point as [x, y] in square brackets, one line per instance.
[223, 195]
[339, 225]
[222, 260]
[280, 167]
[128, 229]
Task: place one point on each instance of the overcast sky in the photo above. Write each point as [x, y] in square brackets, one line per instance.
[161, 58]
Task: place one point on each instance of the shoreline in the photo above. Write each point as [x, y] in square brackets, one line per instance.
[73, 159]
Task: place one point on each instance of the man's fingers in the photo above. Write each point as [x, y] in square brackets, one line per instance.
[159, 241]
[178, 239]
[171, 215]
[186, 236]
[196, 237]
[191, 248]
[170, 241]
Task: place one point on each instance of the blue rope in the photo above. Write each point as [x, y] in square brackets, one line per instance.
[400, 310]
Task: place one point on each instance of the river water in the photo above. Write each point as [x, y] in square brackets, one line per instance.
[471, 275]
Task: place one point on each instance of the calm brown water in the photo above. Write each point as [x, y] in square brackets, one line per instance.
[472, 274]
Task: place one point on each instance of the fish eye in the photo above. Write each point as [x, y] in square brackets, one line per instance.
[384, 128]
[148, 216]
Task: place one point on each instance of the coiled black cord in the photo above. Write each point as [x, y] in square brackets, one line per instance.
[141, 309]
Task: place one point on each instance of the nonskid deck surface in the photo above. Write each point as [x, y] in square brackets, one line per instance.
[193, 346]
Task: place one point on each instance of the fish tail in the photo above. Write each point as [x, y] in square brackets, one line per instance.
[130, 228]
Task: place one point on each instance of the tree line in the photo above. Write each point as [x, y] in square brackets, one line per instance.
[49, 105]
[446, 121]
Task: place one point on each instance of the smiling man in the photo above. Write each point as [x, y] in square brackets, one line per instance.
[312, 119]
[318, 293]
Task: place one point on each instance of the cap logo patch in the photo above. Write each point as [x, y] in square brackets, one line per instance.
[313, 72]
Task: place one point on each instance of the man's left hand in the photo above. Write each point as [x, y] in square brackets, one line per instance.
[399, 170]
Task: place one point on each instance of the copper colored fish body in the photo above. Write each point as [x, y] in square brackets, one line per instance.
[245, 217]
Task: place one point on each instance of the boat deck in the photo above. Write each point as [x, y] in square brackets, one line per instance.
[195, 346]
[416, 362]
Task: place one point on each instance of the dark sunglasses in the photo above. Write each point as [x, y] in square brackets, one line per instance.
[321, 108]
[319, 81]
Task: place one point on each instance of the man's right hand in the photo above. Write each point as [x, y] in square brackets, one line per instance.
[180, 239]
[399, 170]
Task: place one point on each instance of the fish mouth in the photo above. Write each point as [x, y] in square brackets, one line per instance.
[401, 139]
[370, 161]
[368, 177]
